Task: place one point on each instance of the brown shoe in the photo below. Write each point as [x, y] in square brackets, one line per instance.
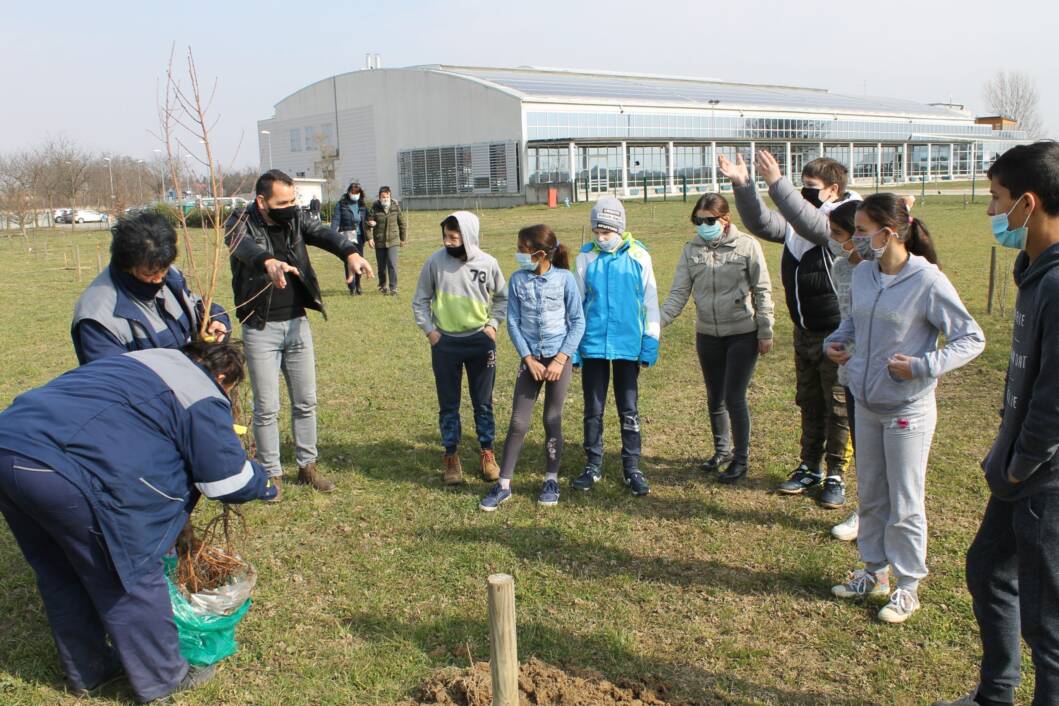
[278, 482]
[308, 475]
[490, 469]
[453, 469]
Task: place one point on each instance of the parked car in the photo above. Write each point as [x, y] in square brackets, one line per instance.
[59, 215]
[82, 215]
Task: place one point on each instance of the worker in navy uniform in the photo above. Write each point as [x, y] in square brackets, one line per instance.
[99, 470]
[140, 300]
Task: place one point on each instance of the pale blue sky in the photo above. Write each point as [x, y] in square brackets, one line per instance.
[91, 70]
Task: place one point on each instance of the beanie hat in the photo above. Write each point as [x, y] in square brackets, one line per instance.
[608, 213]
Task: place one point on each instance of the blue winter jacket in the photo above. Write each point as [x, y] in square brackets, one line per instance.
[141, 435]
[110, 320]
[622, 320]
[349, 217]
[544, 314]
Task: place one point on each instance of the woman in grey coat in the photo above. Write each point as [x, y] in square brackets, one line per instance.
[889, 346]
[725, 272]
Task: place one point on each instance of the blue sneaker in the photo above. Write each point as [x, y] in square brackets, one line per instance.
[549, 494]
[494, 498]
[636, 482]
[588, 478]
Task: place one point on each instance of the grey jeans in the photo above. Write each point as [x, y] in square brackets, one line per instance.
[285, 346]
[892, 452]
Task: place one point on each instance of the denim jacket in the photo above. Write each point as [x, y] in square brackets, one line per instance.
[544, 316]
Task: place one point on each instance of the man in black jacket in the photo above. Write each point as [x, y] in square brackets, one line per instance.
[1013, 563]
[274, 283]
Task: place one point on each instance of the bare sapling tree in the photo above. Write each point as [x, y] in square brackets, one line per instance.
[186, 122]
[1013, 94]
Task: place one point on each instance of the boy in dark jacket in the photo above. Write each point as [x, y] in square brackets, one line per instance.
[1013, 563]
[802, 226]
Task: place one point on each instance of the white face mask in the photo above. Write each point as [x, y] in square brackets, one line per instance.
[385, 203]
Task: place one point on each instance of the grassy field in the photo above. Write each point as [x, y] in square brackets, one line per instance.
[722, 593]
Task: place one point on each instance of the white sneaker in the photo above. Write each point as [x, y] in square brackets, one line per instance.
[863, 584]
[962, 701]
[847, 529]
[902, 604]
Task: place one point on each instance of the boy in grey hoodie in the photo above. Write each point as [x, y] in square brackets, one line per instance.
[889, 344]
[459, 302]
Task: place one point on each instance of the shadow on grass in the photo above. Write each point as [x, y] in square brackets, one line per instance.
[450, 640]
[419, 460]
[596, 560]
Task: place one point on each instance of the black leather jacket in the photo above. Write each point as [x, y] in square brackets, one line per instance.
[248, 242]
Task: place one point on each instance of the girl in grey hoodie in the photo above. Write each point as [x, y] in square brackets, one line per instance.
[889, 347]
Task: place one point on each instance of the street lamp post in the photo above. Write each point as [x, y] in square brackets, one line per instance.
[268, 140]
[110, 171]
[139, 180]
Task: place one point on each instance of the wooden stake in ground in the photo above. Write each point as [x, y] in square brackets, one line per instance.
[77, 260]
[99, 260]
[503, 650]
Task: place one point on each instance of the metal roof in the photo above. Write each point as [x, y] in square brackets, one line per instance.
[565, 85]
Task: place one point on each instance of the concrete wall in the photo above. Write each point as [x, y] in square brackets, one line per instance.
[381, 112]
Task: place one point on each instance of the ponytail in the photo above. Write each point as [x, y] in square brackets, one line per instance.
[920, 242]
[561, 257]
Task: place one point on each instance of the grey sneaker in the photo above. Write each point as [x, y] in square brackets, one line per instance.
[196, 677]
[863, 584]
[902, 604]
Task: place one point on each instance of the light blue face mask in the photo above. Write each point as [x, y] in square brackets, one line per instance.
[709, 233]
[525, 261]
[1015, 239]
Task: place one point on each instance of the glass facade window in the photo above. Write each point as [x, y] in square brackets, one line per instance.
[709, 125]
[694, 165]
[483, 168]
[599, 168]
[296, 140]
[647, 167]
[548, 165]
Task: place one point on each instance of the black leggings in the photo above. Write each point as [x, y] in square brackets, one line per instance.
[526, 391]
[728, 363]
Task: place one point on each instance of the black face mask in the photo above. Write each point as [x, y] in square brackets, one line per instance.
[145, 291]
[812, 196]
[460, 252]
[283, 216]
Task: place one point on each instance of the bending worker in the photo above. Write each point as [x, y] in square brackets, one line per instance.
[99, 470]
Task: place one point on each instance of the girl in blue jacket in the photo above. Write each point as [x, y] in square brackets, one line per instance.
[545, 322]
[622, 327]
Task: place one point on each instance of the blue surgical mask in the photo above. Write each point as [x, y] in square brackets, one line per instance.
[609, 244]
[1008, 238]
[709, 233]
[525, 261]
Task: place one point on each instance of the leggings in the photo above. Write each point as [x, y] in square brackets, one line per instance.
[526, 391]
[728, 363]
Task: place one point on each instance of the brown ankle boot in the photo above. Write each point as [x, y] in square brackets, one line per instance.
[490, 469]
[453, 469]
[308, 475]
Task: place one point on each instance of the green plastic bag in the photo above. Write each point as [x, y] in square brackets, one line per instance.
[205, 638]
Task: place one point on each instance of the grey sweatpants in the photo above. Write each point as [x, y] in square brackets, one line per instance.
[892, 452]
[526, 391]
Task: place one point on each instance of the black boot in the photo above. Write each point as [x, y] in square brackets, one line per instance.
[735, 472]
[714, 463]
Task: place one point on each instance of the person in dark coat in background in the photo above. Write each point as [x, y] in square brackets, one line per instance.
[99, 470]
[351, 221]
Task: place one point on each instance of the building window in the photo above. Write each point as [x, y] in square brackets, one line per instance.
[483, 168]
[296, 140]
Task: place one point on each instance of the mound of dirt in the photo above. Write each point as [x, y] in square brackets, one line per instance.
[539, 683]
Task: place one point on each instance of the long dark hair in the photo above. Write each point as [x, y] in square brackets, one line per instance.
[891, 211]
[542, 238]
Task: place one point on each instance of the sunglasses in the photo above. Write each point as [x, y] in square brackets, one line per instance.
[708, 220]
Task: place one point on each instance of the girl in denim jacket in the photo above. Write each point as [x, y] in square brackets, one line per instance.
[545, 322]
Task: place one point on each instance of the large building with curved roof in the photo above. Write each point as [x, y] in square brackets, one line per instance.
[442, 135]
